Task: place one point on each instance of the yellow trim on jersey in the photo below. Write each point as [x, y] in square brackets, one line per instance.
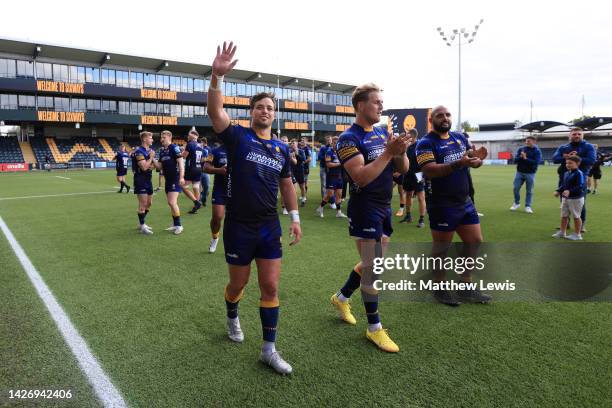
[269, 303]
[347, 151]
[139, 157]
[445, 137]
[425, 158]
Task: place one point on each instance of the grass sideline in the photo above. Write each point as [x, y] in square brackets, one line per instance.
[151, 310]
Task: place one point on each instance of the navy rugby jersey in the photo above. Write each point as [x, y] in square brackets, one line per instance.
[307, 154]
[298, 168]
[122, 159]
[196, 155]
[255, 167]
[139, 154]
[218, 158]
[332, 157]
[370, 144]
[451, 189]
[169, 160]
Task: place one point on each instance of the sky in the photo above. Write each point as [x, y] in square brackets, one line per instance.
[540, 51]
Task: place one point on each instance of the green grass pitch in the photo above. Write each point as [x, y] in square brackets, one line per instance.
[151, 309]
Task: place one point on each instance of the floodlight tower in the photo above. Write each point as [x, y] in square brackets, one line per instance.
[462, 37]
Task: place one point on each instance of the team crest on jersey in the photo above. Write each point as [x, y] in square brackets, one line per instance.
[277, 149]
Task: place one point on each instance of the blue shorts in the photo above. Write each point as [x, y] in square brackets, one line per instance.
[121, 172]
[143, 185]
[333, 183]
[448, 218]
[411, 183]
[369, 222]
[193, 175]
[299, 177]
[399, 180]
[219, 197]
[172, 185]
[246, 241]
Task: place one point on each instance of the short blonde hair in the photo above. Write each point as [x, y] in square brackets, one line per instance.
[362, 93]
[166, 132]
[145, 134]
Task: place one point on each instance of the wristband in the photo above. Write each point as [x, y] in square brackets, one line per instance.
[219, 83]
[295, 216]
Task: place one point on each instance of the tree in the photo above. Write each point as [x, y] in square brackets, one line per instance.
[580, 118]
[468, 128]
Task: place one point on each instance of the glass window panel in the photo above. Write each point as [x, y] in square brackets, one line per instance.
[25, 69]
[198, 85]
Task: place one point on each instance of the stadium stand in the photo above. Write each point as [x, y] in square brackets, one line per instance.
[10, 152]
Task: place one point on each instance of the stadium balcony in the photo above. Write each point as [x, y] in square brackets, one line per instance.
[10, 152]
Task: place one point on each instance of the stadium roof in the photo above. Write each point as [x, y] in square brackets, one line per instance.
[541, 126]
[41, 50]
[593, 123]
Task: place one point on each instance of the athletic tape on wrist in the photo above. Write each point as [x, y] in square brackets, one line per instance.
[294, 215]
[219, 83]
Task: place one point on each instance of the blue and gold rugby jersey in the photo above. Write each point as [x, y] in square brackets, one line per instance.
[255, 167]
[370, 144]
[121, 160]
[451, 189]
[218, 158]
[196, 156]
[169, 160]
[333, 172]
[141, 154]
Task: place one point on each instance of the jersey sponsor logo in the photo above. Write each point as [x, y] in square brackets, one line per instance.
[453, 157]
[264, 160]
[375, 153]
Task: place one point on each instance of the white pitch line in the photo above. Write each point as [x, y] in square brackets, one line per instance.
[102, 385]
[55, 195]
[65, 178]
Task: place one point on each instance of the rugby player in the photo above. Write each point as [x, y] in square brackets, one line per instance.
[259, 166]
[370, 156]
[205, 180]
[333, 180]
[297, 169]
[143, 158]
[121, 165]
[413, 183]
[194, 155]
[216, 163]
[444, 158]
[308, 153]
[173, 166]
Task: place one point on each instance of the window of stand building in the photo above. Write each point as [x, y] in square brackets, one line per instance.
[187, 84]
[7, 68]
[124, 108]
[8, 101]
[149, 80]
[163, 109]
[199, 111]
[198, 85]
[44, 70]
[136, 80]
[27, 102]
[93, 105]
[137, 108]
[60, 73]
[44, 102]
[62, 104]
[175, 84]
[123, 79]
[109, 106]
[150, 108]
[163, 82]
[187, 111]
[25, 69]
[108, 76]
[77, 74]
[78, 105]
[92, 75]
[175, 110]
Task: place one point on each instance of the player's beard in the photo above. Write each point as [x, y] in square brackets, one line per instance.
[440, 128]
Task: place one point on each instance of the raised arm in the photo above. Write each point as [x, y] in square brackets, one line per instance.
[355, 166]
[222, 64]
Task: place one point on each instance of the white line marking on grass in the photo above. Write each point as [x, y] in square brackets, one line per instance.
[56, 195]
[65, 178]
[102, 385]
